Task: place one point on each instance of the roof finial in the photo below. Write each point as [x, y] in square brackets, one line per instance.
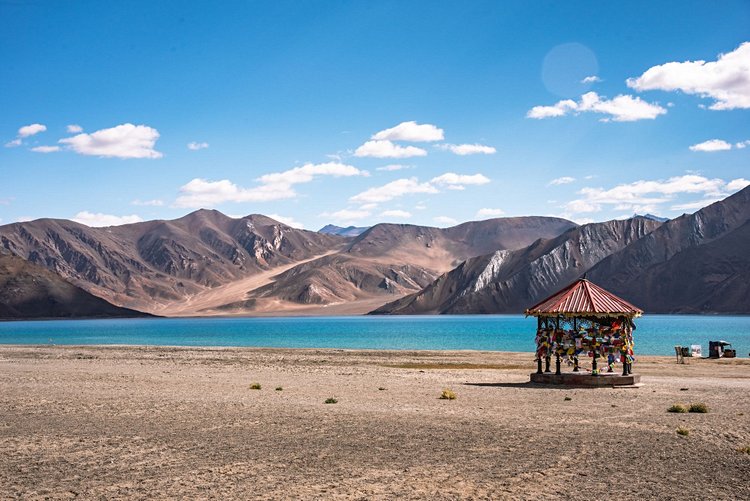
[584, 275]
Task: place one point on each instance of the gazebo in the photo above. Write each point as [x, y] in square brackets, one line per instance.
[585, 320]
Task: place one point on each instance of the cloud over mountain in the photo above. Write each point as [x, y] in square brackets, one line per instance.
[726, 80]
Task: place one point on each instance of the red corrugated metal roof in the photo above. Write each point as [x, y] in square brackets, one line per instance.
[583, 297]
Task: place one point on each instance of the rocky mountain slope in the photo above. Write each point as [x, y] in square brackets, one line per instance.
[208, 263]
[146, 264]
[508, 281]
[441, 249]
[696, 263]
[31, 291]
[388, 261]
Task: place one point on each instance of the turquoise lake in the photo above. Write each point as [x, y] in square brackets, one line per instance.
[655, 334]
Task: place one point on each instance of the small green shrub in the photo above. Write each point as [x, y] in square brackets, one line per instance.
[279, 388]
[448, 394]
[331, 401]
[744, 450]
[567, 399]
[698, 407]
[678, 408]
[683, 432]
[381, 389]
[255, 386]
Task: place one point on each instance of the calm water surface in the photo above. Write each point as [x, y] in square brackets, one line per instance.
[655, 334]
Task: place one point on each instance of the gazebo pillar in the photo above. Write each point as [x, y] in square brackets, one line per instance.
[557, 364]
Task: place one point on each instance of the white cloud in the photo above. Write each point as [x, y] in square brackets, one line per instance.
[30, 130]
[386, 149]
[24, 132]
[203, 193]
[99, 219]
[742, 144]
[286, 220]
[346, 215]
[148, 203]
[561, 180]
[123, 141]
[693, 206]
[420, 206]
[197, 146]
[444, 220]
[394, 189]
[737, 184]
[490, 212]
[400, 214]
[711, 145]
[623, 108]
[45, 149]
[408, 186]
[578, 206]
[393, 167]
[647, 196]
[591, 79]
[307, 172]
[74, 129]
[452, 180]
[467, 149]
[726, 80]
[410, 131]
[273, 186]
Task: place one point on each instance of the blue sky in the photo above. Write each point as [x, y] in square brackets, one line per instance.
[363, 112]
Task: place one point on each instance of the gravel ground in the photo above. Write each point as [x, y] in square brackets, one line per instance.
[136, 422]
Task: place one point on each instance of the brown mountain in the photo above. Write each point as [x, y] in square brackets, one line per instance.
[153, 264]
[31, 291]
[208, 263]
[508, 281]
[442, 249]
[696, 263]
[385, 262]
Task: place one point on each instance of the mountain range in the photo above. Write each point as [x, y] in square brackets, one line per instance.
[207, 263]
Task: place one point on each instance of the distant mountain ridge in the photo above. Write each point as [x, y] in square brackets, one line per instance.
[697, 263]
[508, 281]
[207, 263]
[349, 231]
[145, 264]
[652, 217]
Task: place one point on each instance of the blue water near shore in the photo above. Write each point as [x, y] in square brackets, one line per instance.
[655, 334]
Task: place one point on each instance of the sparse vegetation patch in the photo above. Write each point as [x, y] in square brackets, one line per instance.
[448, 395]
[698, 407]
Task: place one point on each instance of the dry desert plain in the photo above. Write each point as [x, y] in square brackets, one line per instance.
[156, 422]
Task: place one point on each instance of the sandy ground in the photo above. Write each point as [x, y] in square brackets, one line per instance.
[114, 422]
